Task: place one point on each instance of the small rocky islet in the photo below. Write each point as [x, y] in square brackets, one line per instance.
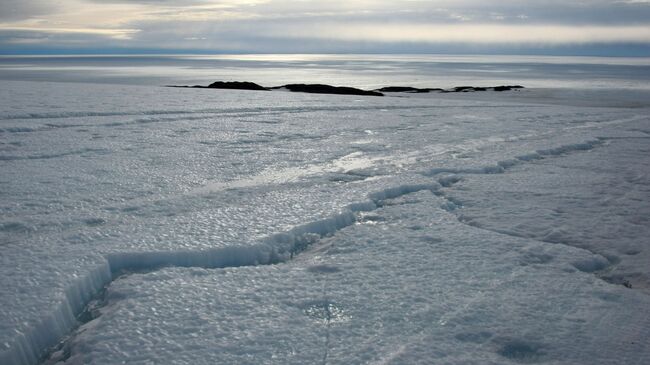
[346, 90]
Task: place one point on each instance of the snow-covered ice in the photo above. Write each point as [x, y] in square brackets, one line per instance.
[159, 225]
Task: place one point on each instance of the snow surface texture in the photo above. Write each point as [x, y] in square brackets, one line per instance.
[186, 226]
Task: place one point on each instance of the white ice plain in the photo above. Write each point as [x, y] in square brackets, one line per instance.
[155, 225]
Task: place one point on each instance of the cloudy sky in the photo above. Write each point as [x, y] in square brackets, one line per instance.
[609, 27]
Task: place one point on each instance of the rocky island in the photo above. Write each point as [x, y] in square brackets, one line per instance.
[346, 90]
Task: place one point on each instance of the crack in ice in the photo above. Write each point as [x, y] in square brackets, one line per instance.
[29, 347]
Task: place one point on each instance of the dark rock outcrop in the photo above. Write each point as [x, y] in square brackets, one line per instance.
[235, 85]
[406, 89]
[462, 89]
[346, 90]
[328, 89]
[507, 87]
[468, 89]
[398, 89]
[232, 85]
[429, 89]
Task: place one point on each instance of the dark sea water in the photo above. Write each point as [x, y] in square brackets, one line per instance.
[367, 71]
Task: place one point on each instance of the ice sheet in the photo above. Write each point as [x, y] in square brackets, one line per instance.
[465, 230]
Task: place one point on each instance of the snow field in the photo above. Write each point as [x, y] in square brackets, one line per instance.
[278, 248]
[200, 182]
[363, 296]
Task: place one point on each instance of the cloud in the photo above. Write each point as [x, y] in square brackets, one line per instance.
[263, 25]
[110, 33]
[21, 9]
[469, 33]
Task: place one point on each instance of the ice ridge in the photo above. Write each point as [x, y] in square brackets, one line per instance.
[502, 166]
[219, 111]
[31, 345]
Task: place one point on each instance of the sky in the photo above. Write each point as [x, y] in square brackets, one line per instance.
[594, 27]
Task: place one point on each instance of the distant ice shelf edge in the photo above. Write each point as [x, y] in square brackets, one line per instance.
[31, 346]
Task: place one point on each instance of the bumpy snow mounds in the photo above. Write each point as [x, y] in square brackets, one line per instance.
[274, 249]
[29, 347]
[323, 304]
[213, 111]
[208, 182]
[502, 166]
